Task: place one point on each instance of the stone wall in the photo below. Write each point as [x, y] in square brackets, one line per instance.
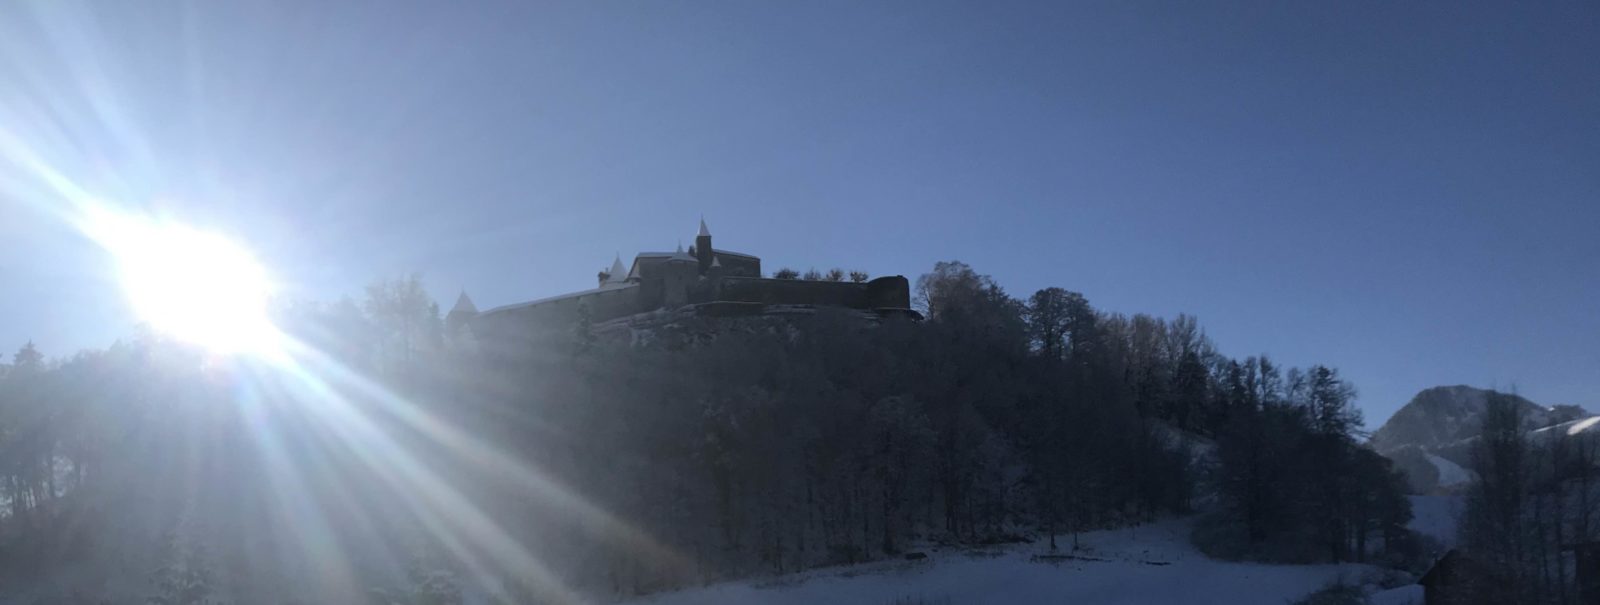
[676, 285]
[891, 292]
[516, 325]
[885, 292]
[736, 265]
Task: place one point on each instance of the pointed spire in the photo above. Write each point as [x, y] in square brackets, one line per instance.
[716, 262]
[464, 304]
[680, 255]
[618, 273]
[704, 232]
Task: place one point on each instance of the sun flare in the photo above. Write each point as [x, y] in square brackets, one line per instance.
[194, 285]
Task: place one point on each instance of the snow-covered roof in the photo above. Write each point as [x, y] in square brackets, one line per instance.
[605, 288]
[679, 256]
[464, 304]
[732, 253]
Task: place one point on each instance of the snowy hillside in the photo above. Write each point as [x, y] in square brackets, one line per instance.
[1441, 416]
[1434, 417]
[1430, 437]
[1450, 473]
[1437, 517]
[1149, 564]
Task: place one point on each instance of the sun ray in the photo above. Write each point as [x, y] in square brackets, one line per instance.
[204, 289]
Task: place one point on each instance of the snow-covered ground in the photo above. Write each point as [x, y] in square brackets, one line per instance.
[1404, 595]
[1148, 564]
[1436, 516]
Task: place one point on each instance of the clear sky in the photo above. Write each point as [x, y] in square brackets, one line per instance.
[1409, 192]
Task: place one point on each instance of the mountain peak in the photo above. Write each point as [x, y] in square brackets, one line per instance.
[1431, 437]
[1442, 415]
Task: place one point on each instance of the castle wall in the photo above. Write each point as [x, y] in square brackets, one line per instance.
[665, 283]
[652, 293]
[891, 292]
[792, 292]
[672, 285]
[739, 266]
[678, 282]
[885, 292]
[519, 324]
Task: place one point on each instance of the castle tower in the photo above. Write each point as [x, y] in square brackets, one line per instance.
[616, 275]
[460, 315]
[702, 248]
[678, 277]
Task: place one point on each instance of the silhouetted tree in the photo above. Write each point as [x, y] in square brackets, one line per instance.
[635, 460]
[407, 319]
[1047, 321]
[1496, 524]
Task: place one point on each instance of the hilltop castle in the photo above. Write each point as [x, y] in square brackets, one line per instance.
[700, 281]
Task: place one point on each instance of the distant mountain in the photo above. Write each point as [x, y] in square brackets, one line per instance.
[1426, 438]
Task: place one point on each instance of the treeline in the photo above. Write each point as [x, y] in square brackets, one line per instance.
[1296, 485]
[834, 274]
[1532, 513]
[405, 458]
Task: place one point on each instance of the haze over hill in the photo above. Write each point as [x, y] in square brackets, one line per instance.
[1351, 186]
[1036, 302]
[1429, 437]
[1443, 415]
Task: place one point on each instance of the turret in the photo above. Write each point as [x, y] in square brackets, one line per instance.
[702, 248]
[615, 275]
[460, 315]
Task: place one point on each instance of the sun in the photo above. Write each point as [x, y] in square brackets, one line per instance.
[194, 285]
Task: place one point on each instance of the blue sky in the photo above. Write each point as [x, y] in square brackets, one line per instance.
[1408, 192]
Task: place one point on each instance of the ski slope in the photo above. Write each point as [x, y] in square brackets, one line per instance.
[1148, 564]
[1450, 473]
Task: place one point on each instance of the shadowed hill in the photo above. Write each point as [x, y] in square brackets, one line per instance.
[1429, 438]
[1443, 415]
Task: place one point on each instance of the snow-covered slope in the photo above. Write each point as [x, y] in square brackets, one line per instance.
[1404, 595]
[1437, 517]
[1148, 564]
[1450, 473]
[1429, 437]
[1443, 415]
